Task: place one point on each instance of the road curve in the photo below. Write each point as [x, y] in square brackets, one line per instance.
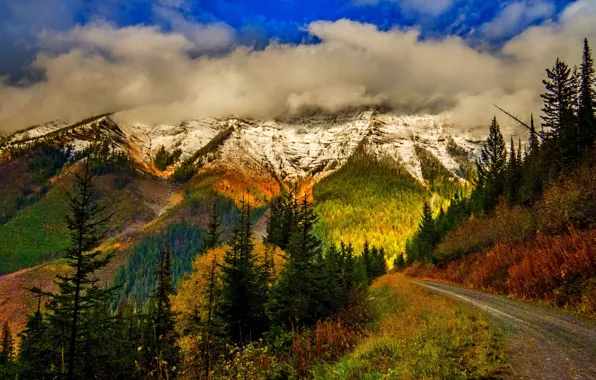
[544, 343]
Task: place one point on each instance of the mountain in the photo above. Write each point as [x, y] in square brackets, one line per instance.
[368, 172]
[298, 149]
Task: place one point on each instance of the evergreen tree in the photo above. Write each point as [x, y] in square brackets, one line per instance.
[282, 219]
[6, 346]
[296, 297]
[534, 143]
[37, 351]
[587, 96]
[420, 247]
[163, 350]
[367, 259]
[378, 263]
[74, 308]
[513, 174]
[559, 113]
[531, 169]
[211, 328]
[492, 166]
[242, 303]
[213, 237]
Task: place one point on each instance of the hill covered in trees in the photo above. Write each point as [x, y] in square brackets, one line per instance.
[527, 228]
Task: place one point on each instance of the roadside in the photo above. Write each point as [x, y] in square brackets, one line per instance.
[419, 335]
[544, 343]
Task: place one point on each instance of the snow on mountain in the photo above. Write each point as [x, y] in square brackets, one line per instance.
[309, 147]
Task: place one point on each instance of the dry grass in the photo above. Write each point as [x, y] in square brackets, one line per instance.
[560, 270]
[419, 336]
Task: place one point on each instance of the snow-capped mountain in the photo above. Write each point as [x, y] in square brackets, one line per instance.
[290, 149]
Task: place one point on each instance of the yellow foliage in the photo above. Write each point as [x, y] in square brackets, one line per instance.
[190, 302]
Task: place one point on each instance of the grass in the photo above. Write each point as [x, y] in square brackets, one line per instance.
[417, 335]
[38, 233]
[35, 234]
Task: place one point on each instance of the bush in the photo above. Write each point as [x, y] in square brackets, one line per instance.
[477, 234]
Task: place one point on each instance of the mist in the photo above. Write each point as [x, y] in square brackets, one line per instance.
[150, 76]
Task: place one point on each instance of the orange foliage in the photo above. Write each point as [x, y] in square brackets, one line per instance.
[560, 270]
[506, 224]
[189, 302]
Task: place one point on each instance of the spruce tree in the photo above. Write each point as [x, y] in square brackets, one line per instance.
[6, 346]
[211, 326]
[559, 113]
[296, 297]
[242, 302]
[587, 96]
[74, 308]
[37, 351]
[513, 174]
[213, 237]
[165, 353]
[492, 167]
[282, 219]
[367, 258]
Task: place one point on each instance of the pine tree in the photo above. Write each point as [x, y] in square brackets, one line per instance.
[37, 351]
[513, 174]
[282, 219]
[74, 308]
[242, 301]
[213, 237]
[492, 167]
[213, 295]
[587, 96]
[559, 112]
[162, 319]
[6, 346]
[296, 297]
[367, 259]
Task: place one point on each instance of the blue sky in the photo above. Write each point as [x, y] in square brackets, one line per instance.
[256, 22]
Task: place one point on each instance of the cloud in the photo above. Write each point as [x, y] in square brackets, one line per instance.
[153, 76]
[515, 17]
[424, 7]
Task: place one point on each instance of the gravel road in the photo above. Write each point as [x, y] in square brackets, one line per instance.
[544, 343]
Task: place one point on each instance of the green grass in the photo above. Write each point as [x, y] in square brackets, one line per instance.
[369, 199]
[35, 234]
[38, 233]
[417, 335]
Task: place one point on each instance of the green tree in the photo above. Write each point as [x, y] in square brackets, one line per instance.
[420, 247]
[492, 167]
[513, 174]
[80, 300]
[6, 345]
[283, 213]
[213, 237]
[587, 96]
[296, 297]
[37, 351]
[559, 113]
[242, 302]
[162, 338]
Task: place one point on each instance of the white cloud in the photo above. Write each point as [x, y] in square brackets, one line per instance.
[515, 17]
[579, 7]
[152, 76]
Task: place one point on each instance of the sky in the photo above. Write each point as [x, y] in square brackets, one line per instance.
[169, 60]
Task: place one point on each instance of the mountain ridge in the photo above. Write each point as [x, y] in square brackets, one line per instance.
[306, 148]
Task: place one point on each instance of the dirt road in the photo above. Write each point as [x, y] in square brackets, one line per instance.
[543, 343]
